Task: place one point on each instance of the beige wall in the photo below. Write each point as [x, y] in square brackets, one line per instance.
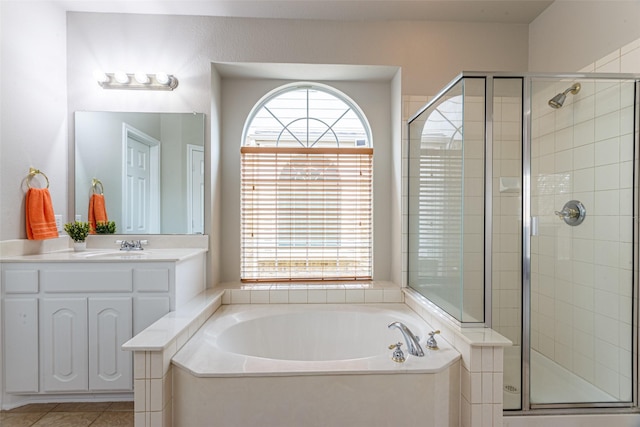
[239, 96]
[37, 36]
[33, 131]
[567, 36]
[571, 34]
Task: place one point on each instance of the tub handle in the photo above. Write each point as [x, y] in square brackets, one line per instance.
[431, 342]
[398, 355]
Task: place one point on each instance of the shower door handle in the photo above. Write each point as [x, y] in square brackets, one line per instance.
[534, 226]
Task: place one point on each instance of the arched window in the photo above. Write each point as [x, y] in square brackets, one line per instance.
[306, 187]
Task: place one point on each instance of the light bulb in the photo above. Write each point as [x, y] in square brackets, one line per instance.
[162, 78]
[101, 77]
[121, 77]
[142, 78]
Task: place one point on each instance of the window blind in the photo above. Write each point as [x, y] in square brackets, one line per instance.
[306, 213]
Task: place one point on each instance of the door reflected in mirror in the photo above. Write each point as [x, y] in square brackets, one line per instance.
[150, 165]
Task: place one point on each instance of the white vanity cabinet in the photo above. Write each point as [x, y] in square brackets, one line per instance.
[64, 323]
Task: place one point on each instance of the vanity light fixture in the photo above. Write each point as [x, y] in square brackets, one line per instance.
[122, 80]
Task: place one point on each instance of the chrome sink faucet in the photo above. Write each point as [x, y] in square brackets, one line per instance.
[132, 245]
[412, 341]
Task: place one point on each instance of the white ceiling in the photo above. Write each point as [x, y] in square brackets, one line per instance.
[500, 11]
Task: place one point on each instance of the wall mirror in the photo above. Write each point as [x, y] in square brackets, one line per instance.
[148, 166]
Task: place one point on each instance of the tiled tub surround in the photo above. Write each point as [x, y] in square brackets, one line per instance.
[480, 373]
[153, 349]
[156, 345]
[334, 293]
[481, 368]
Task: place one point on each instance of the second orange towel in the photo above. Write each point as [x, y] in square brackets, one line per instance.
[97, 211]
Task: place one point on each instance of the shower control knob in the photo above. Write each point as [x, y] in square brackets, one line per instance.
[573, 213]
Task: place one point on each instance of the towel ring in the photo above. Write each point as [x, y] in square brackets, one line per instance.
[33, 172]
[94, 184]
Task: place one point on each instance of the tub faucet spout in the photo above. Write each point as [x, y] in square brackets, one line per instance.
[413, 342]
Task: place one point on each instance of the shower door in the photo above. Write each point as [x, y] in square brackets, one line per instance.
[581, 248]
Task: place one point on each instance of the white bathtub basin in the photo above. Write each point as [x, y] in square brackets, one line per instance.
[311, 335]
[275, 339]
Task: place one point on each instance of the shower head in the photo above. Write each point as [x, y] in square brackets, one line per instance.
[558, 100]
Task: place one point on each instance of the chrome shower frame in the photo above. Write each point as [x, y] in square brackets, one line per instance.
[526, 407]
[574, 408]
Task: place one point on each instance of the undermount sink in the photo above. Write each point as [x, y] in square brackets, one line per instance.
[114, 254]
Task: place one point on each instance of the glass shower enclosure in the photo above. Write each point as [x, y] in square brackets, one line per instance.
[522, 195]
[446, 203]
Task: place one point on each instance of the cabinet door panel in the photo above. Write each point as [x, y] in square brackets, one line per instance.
[109, 328]
[64, 325]
[21, 345]
[149, 309]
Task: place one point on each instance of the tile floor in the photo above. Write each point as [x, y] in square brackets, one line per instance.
[99, 414]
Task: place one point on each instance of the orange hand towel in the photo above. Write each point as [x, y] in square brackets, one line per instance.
[41, 221]
[97, 211]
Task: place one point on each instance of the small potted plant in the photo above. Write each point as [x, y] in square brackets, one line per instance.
[78, 231]
[108, 227]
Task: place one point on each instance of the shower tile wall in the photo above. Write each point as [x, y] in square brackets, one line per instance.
[581, 276]
[623, 60]
[507, 224]
[473, 204]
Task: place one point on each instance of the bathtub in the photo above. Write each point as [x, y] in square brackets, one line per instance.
[312, 365]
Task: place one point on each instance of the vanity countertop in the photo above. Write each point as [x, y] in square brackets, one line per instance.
[110, 255]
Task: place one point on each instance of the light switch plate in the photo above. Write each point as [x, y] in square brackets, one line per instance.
[58, 222]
